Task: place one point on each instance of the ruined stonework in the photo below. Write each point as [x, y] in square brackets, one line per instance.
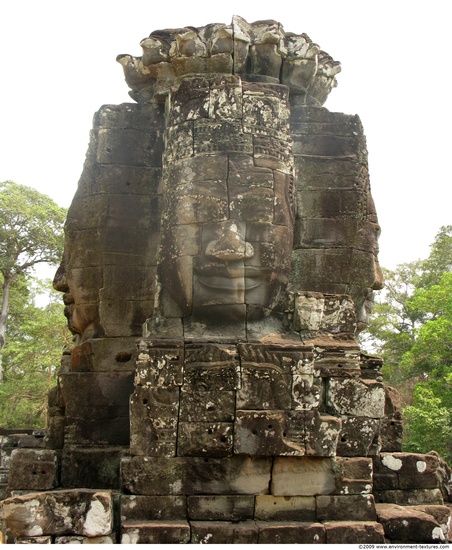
[220, 260]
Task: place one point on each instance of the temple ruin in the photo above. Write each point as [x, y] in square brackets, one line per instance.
[221, 254]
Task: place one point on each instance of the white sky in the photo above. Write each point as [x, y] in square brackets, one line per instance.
[58, 67]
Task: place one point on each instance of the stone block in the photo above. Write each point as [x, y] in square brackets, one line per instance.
[322, 433]
[264, 386]
[220, 507]
[345, 507]
[441, 514]
[155, 532]
[385, 482]
[308, 476]
[410, 464]
[290, 532]
[354, 532]
[92, 467]
[356, 474]
[34, 540]
[106, 539]
[33, 470]
[205, 439]
[206, 406]
[391, 434]
[97, 432]
[219, 376]
[303, 476]
[273, 508]
[66, 512]
[223, 532]
[355, 397]
[359, 436]
[407, 524]
[130, 147]
[141, 507]
[104, 354]
[160, 363]
[99, 395]
[411, 497]
[193, 475]
[270, 433]
[153, 420]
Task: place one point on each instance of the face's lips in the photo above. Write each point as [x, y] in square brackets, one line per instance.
[68, 299]
[224, 278]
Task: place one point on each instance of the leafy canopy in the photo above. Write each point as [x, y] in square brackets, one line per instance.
[30, 230]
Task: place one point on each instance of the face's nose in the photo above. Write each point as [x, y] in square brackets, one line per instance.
[59, 281]
[230, 245]
[379, 278]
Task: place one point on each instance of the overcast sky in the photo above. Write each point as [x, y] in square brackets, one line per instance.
[58, 67]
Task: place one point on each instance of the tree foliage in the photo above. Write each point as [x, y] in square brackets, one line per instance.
[31, 232]
[37, 337]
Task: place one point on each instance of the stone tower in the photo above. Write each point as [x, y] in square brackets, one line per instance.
[220, 259]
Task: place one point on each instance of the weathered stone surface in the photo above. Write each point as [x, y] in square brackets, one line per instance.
[155, 532]
[153, 420]
[221, 507]
[306, 476]
[100, 395]
[441, 515]
[104, 354]
[140, 508]
[33, 470]
[205, 439]
[77, 512]
[270, 433]
[359, 436]
[92, 467]
[206, 406]
[159, 363]
[264, 386]
[346, 507]
[356, 397]
[288, 532]
[322, 433]
[354, 532]
[310, 476]
[193, 475]
[391, 434]
[410, 497]
[408, 524]
[85, 540]
[222, 532]
[285, 508]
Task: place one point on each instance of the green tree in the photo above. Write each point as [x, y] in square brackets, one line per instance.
[31, 232]
[439, 260]
[394, 320]
[428, 422]
[432, 347]
[36, 339]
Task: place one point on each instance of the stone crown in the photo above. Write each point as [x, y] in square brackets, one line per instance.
[257, 52]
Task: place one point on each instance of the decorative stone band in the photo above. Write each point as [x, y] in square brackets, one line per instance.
[258, 52]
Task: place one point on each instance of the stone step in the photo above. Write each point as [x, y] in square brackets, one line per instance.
[421, 523]
[251, 532]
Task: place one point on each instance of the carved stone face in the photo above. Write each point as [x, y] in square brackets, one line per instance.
[80, 287]
[238, 254]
